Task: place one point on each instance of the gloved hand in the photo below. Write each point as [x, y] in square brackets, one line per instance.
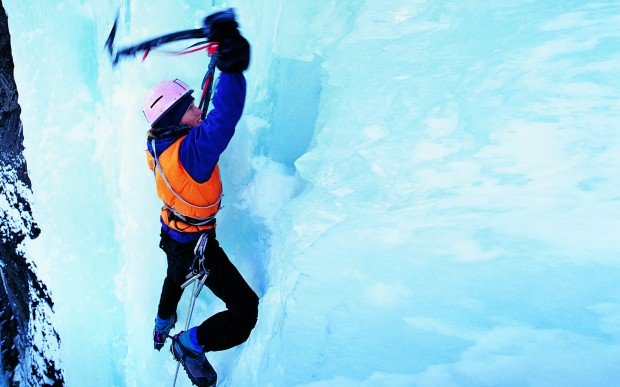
[233, 54]
[218, 24]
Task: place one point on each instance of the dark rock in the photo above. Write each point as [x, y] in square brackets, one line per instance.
[24, 300]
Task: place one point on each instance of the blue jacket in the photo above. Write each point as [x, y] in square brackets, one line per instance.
[203, 145]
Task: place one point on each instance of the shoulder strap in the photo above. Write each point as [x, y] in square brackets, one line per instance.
[157, 166]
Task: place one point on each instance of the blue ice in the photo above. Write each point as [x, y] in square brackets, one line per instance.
[422, 193]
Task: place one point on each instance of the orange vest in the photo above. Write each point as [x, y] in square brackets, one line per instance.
[182, 195]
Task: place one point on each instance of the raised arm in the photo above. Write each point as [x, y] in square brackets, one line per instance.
[201, 149]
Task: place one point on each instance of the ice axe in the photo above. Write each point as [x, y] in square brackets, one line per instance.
[198, 33]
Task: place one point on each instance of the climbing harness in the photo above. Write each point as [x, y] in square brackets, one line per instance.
[198, 269]
[186, 219]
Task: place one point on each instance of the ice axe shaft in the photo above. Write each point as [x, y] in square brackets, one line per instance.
[131, 51]
[197, 33]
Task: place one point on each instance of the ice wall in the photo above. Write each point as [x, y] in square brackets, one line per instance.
[56, 70]
[457, 219]
[421, 192]
[29, 344]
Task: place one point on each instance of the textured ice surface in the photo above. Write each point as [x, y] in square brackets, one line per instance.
[422, 193]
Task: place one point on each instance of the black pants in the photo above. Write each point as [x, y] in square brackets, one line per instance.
[225, 329]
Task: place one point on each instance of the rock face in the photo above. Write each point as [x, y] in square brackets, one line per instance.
[28, 342]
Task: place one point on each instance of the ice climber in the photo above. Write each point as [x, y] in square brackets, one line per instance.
[183, 152]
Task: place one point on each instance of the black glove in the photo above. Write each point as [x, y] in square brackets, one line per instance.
[233, 54]
[219, 24]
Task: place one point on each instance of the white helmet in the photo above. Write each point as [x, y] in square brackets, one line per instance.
[163, 97]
